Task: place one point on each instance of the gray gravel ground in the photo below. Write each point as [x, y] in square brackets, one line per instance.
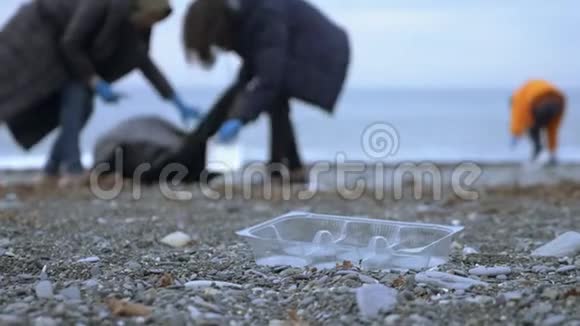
[53, 230]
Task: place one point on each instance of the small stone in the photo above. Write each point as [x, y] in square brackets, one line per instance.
[550, 293]
[541, 269]
[541, 308]
[95, 271]
[93, 259]
[456, 245]
[501, 277]
[392, 320]
[71, 293]
[199, 302]
[418, 320]
[257, 291]
[375, 298]
[44, 290]
[11, 196]
[26, 277]
[202, 284]
[177, 240]
[469, 251]
[513, 295]
[566, 245]
[390, 278]
[407, 295]
[419, 291]
[566, 269]
[11, 320]
[565, 261]
[128, 286]
[367, 279]
[553, 320]
[44, 321]
[290, 272]
[92, 283]
[9, 204]
[490, 271]
[9, 253]
[472, 216]
[447, 281]
[194, 313]
[213, 318]
[60, 310]
[132, 265]
[480, 299]
[322, 280]
[260, 302]
[423, 208]
[459, 272]
[16, 308]
[4, 243]
[307, 301]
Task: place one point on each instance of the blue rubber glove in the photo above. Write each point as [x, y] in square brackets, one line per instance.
[187, 112]
[105, 91]
[229, 130]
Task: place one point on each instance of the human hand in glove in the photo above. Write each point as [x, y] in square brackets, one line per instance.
[105, 91]
[229, 130]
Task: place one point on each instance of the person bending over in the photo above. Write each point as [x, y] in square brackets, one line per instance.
[56, 54]
[537, 109]
[289, 50]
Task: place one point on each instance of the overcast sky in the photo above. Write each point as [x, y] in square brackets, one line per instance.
[414, 43]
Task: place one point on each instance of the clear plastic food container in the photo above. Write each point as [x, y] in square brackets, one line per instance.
[304, 239]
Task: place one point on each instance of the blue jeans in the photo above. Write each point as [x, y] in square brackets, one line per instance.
[76, 106]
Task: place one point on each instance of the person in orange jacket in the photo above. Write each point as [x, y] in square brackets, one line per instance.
[538, 108]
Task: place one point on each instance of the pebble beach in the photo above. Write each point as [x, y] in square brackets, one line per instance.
[69, 258]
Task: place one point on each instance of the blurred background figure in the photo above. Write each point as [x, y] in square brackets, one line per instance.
[289, 50]
[432, 70]
[538, 108]
[56, 54]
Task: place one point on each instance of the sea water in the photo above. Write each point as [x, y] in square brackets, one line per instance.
[430, 125]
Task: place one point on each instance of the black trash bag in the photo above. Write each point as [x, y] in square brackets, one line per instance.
[141, 147]
[151, 140]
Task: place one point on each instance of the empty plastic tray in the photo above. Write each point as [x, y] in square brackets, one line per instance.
[303, 239]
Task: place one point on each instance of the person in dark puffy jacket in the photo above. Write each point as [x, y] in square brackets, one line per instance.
[56, 54]
[289, 50]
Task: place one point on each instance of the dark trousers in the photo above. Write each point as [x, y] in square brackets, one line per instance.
[76, 106]
[283, 148]
[544, 113]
